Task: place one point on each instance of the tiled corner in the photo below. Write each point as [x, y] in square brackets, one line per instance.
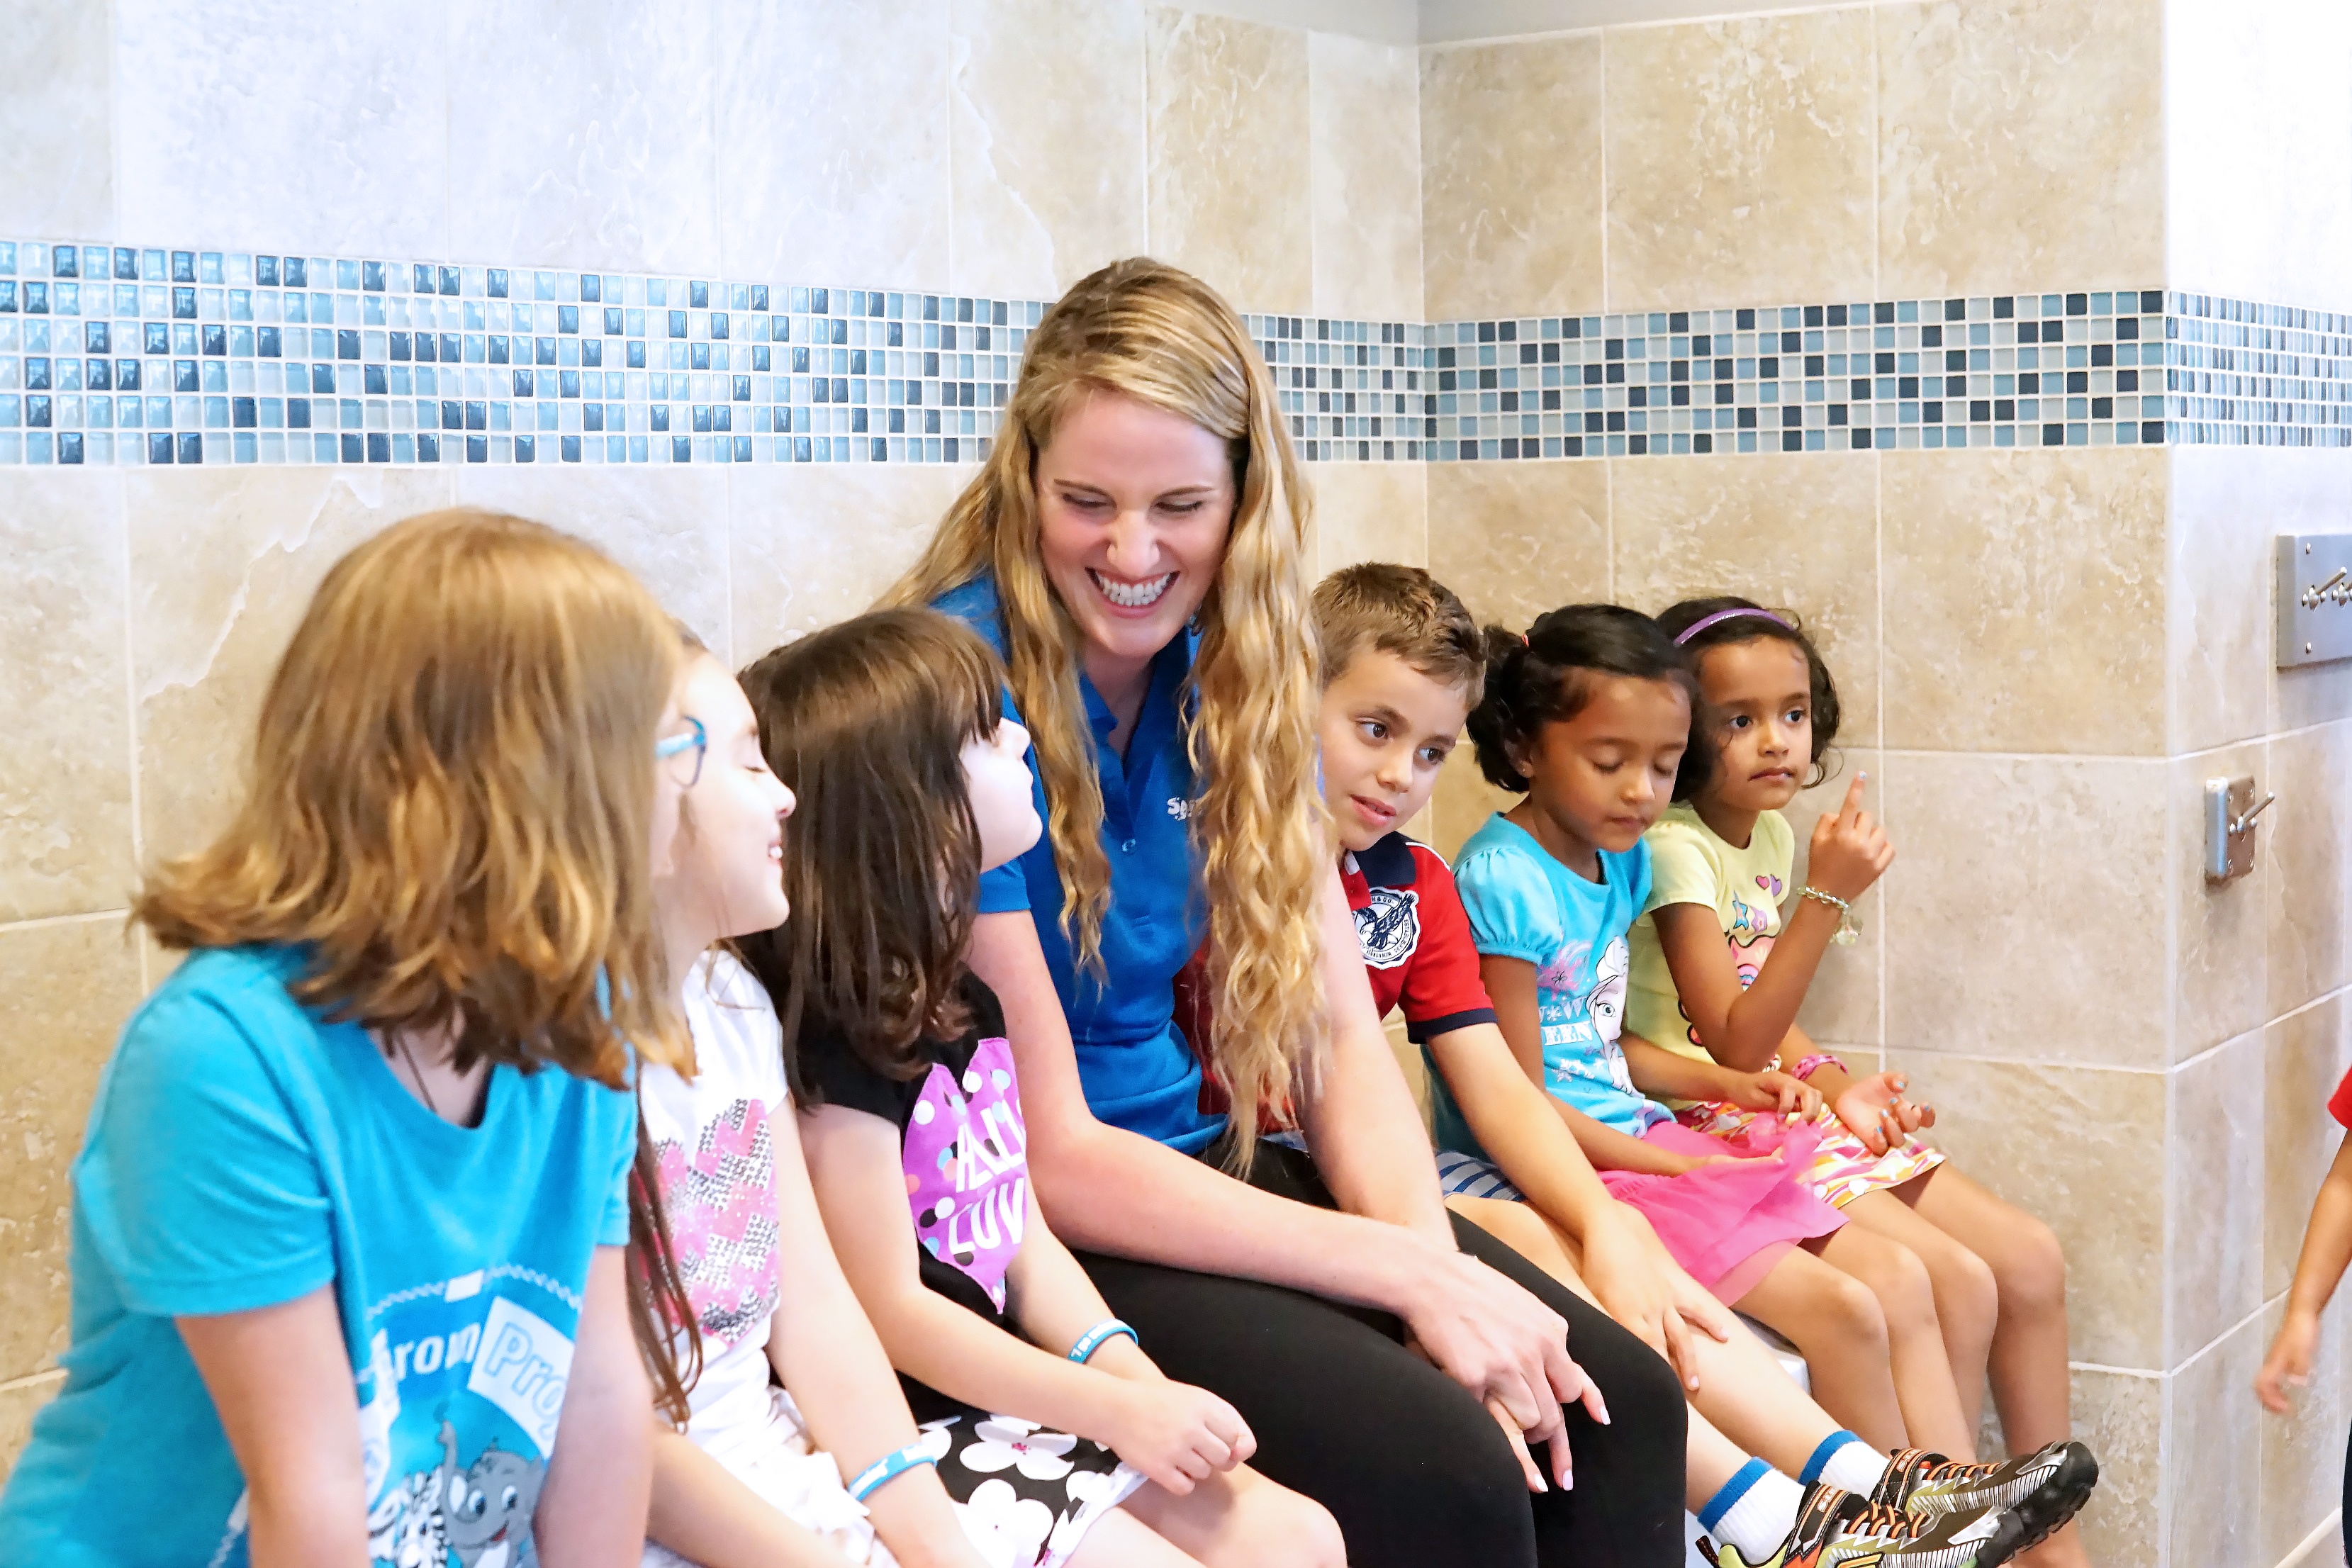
[1517, 538]
[2306, 1055]
[1740, 159]
[2120, 1417]
[2214, 1150]
[2309, 854]
[2055, 870]
[1029, 219]
[57, 125]
[2025, 601]
[2221, 930]
[66, 989]
[222, 565]
[1511, 187]
[1364, 120]
[624, 180]
[64, 776]
[2083, 1150]
[1369, 511]
[1226, 105]
[833, 117]
[2213, 1518]
[2018, 137]
[807, 547]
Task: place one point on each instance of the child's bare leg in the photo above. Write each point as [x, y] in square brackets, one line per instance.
[1523, 1229]
[1118, 1540]
[1837, 1324]
[1914, 1340]
[1236, 1520]
[1967, 1302]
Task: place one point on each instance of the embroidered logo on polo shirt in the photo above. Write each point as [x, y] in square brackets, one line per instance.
[1180, 808]
[1389, 928]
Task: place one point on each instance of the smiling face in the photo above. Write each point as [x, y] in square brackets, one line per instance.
[723, 873]
[1003, 803]
[1133, 504]
[1761, 695]
[1600, 776]
[1386, 731]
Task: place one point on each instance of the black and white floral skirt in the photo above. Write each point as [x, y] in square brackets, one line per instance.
[1027, 1495]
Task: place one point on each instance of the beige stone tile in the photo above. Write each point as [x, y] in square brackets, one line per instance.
[668, 525]
[1789, 531]
[2214, 1459]
[2305, 1057]
[2214, 1149]
[1048, 184]
[1740, 161]
[66, 988]
[2024, 596]
[808, 546]
[2302, 1454]
[2018, 907]
[1364, 105]
[1231, 166]
[2303, 842]
[1515, 539]
[2083, 1149]
[1511, 189]
[832, 118]
[1843, 1003]
[617, 177]
[2121, 1417]
[222, 563]
[2228, 503]
[2020, 143]
[1463, 802]
[56, 121]
[64, 776]
[2221, 931]
[17, 1406]
[1369, 511]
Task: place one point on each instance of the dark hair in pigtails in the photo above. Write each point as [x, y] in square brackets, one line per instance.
[1547, 676]
[1698, 625]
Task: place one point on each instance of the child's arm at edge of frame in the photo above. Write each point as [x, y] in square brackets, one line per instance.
[2327, 1251]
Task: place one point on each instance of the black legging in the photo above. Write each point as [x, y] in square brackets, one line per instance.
[1417, 1473]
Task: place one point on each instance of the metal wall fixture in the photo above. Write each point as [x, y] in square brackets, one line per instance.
[2230, 811]
[2315, 598]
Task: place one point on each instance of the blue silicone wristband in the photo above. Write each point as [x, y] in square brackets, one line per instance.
[1101, 1334]
[879, 1474]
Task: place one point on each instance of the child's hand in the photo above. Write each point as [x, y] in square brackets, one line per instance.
[1873, 1108]
[2289, 1363]
[1176, 1434]
[1850, 850]
[1791, 1097]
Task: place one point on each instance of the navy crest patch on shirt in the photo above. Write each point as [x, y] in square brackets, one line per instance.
[1389, 927]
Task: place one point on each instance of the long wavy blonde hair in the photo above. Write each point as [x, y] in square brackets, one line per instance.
[449, 800]
[1148, 332]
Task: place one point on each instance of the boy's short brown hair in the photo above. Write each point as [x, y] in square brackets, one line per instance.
[1400, 610]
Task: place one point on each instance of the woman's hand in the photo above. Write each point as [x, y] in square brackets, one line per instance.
[1873, 1108]
[1639, 1284]
[2288, 1365]
[1490, 1335]
[1174, 1433]
[1790, 1097]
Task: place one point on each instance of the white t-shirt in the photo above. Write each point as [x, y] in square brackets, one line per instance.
[714, 1143]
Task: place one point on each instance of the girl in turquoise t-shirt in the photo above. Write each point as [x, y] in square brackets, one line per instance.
[349, 1216]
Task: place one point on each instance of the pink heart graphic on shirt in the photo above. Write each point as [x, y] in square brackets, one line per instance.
[722, 1218]
[1770, 884]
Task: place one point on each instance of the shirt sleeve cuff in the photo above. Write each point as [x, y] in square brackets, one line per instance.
[247, 1291]
[1421, 1031]
[1004, 890]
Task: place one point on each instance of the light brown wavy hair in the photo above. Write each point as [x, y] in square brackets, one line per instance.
[1144, 330]
[449, 800]
[1403, 610]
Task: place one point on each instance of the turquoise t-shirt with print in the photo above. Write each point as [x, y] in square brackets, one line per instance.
[243, 1153]
[1524, 904]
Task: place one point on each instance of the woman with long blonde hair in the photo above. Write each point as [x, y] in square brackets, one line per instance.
[349, 1216]
[1134, 548]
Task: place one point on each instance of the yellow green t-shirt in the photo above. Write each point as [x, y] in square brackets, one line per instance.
[1690, 864]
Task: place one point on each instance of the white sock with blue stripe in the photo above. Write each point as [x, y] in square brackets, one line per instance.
[1845, 1462]
[1755, 1510]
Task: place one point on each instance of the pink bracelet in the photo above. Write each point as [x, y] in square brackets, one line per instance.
[1805, 1067]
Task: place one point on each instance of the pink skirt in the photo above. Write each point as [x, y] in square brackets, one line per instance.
[1727, 1224]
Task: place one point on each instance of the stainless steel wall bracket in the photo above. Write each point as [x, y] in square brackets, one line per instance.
[2315, 598]
[2230, 812]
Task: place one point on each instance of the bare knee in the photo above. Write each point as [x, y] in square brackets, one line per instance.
[2032, 1275]
[1290, 1530]
[1844, 1317]
[1906, 1292]
[1965, 1286]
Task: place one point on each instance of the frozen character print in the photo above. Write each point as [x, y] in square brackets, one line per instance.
[1388, 927]
[1580, 999]
[1608, 1004]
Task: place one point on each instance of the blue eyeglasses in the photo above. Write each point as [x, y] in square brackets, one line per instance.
[696, 741]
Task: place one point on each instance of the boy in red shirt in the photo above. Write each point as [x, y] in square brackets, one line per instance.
[2327, 1250]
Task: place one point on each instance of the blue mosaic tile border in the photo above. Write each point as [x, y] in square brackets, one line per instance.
[127, 355]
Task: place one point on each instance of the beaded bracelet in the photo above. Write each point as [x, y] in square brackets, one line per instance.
[1848, 927]
[879, 1474]
[1102, 1333]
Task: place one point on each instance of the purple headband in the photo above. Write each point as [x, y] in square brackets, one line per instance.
[1720, 617]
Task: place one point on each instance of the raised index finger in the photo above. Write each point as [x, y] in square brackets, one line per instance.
[1852, 802]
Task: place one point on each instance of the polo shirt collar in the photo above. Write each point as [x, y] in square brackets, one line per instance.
[1388, 863]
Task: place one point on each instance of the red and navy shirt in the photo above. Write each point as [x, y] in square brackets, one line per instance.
[1417, 947]
[2339, 1104]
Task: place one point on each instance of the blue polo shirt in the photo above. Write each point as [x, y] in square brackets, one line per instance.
[1138, 1071]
